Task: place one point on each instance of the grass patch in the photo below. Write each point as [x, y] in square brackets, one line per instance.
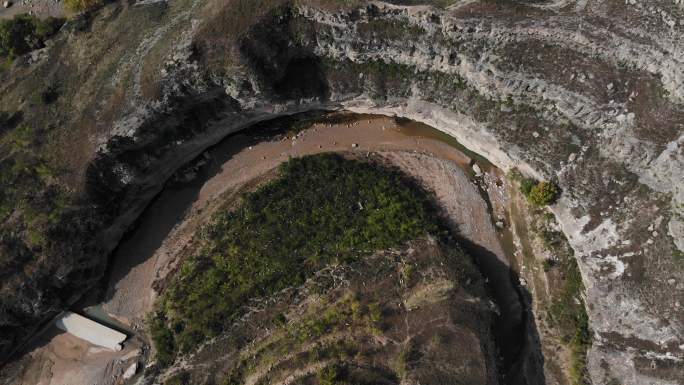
[566, 312]
[82, 5]
[323, 209]
[568, 315]
[29, 192]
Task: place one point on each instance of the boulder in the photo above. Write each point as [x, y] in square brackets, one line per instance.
[130, 372]
[477, 170]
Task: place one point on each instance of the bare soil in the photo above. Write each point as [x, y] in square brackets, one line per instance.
[62, 359]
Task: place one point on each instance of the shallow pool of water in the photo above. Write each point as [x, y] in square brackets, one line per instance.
[417, 129]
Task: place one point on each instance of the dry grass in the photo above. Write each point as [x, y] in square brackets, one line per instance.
[150, 83]
[75, 150]
[331, 5]
[114, 106]
[228, 20]
[82, 5]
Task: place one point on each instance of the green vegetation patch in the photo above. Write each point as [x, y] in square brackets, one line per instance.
[566, 311]
[29, 195]
[538, 193]
[543, 193]
[24, 33]
[568, 315]
[323, 209]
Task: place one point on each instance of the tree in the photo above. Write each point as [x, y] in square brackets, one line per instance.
[543, 193]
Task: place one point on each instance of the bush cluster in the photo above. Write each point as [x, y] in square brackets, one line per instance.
[543, 194]
[538, 193]
[323, 209]
[330, 375]
[24, 33]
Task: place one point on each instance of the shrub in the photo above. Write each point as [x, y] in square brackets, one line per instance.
[28, 193]
[50, 94]
[24, 33]
[526, 185]
[548, 264]
[329, 375]
[538, 193]
[182, 378]
[162, 338]
[543, 193]
[82, 5]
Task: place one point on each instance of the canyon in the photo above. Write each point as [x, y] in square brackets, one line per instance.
[597, 109]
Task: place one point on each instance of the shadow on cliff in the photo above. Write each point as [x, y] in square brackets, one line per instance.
[171, 205]
[283, 65]
[521, 361]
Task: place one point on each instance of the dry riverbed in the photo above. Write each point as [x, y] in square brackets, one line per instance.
[165, 232]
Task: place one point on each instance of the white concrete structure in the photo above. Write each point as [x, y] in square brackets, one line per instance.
[90, 331]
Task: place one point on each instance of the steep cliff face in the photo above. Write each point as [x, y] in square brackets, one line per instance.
[597, 109]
